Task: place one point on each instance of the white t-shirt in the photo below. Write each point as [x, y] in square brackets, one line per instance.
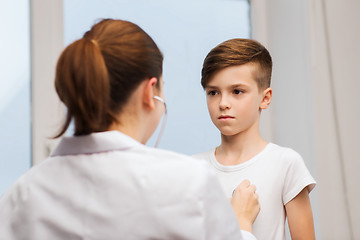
[109, 186]
[278, 173]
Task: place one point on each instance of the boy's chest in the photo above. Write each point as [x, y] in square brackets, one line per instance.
[269, 184]
[268, 179]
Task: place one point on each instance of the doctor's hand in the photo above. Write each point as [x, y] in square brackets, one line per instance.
[245, 204]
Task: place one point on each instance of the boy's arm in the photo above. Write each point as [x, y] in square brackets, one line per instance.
[300, 217]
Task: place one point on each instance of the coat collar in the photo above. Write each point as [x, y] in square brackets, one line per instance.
[94, 143]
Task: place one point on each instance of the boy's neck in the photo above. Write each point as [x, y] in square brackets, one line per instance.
[239, 148]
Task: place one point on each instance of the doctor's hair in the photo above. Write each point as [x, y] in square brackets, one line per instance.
[236, 52]
[96, 74]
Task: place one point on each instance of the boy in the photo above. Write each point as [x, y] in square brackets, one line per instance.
[236, 76]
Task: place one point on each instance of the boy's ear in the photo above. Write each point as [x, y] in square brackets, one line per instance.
[148, 93]
[266, 98]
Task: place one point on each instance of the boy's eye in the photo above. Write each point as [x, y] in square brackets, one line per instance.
[237, 91]
[212, 93]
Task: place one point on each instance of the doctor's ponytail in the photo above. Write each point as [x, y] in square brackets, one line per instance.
[96, 74]
[82, 83]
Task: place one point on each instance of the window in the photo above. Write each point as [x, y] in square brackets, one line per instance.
[185, 31]
[15, 116]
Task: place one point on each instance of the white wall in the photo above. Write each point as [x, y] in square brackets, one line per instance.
[15, 109]
[315, 45]
[47, 41]
[335, 38]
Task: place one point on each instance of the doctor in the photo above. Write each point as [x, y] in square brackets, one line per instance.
[104, 183]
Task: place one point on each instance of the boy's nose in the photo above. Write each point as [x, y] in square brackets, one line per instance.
[224, 103]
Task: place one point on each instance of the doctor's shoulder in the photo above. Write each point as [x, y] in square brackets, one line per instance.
[204, 155]
[15, 202]
[174, 158]
[21, 187]
[21, 190]
[179, 164]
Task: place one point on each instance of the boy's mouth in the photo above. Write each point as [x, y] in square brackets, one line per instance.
[225, 117]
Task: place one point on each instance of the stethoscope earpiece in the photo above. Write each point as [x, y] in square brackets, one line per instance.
[163, 122]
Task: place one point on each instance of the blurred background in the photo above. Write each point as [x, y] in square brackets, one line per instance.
[315, 49]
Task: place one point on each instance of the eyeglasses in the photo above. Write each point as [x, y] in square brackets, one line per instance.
[163, 122]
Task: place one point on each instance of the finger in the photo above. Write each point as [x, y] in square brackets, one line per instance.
[244, 184]
[252, 188]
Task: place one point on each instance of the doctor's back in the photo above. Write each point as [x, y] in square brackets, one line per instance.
[116, 188]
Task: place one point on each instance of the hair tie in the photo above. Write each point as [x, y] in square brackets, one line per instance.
[94, 42]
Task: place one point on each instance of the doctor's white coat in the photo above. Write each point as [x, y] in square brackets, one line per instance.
[109, 186]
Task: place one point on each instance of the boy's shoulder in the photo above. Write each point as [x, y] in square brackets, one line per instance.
[282, 155]
[272, 154]
[283, 151]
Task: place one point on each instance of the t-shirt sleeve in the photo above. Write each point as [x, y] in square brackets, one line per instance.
[219, 219]
[297, 176]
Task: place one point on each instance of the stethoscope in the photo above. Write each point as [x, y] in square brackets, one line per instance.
[163, 122]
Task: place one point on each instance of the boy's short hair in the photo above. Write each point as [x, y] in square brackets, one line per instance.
[235, 52]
